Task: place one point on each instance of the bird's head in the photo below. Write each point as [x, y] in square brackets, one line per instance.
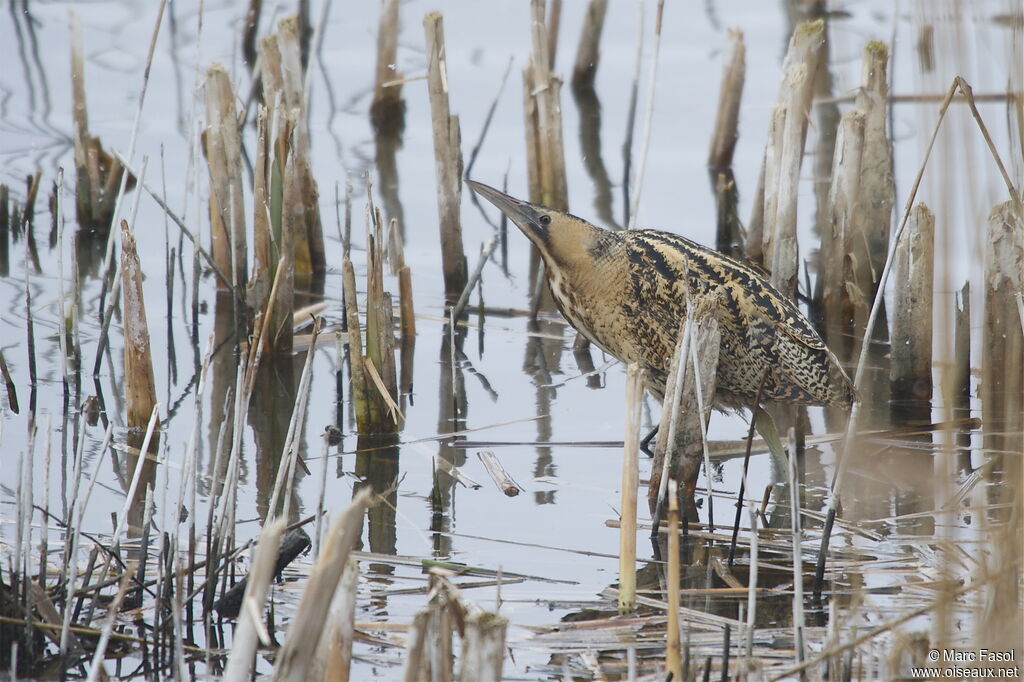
[562, 239]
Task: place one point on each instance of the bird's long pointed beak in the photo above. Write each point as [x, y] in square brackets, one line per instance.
[521, 213]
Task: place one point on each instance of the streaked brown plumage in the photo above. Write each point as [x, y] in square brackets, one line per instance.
[624, 291]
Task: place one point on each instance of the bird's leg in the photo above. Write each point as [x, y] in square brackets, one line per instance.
[645, 444]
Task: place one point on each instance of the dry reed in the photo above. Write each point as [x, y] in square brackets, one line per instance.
[630, 484]
[304, 636]
[448, 155]
[784, 155]
[911, 368]
[726, 131]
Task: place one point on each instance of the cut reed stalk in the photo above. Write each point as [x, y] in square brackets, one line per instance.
[545, 152]
[250, 629]
[589, 52]
[1002, 383]
[140, 385]
[265, 249]
[387, 109]
[448, 158]
[839, 298]
[553, 23]
[672, 638]
[873, 216]
[360, 381]
[911, 368]
[282, 70]
[630, 484]
[334, 655]
[304, 635]
[223, 148]
[785, 151]
[726, 132]
[483, 647]
[416, 658]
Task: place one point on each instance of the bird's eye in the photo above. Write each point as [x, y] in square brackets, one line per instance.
[545, 220]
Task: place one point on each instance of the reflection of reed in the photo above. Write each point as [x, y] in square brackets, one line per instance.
[377, 466]
[590, 148]
[275, 392]
[452, 412]
[541, 362]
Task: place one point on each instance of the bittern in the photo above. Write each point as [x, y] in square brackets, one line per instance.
[626, 292]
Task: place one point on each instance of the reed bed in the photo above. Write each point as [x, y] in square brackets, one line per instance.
[203, 570]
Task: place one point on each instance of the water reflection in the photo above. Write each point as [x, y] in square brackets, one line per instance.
[541, 363]
[452, 412]
[270, 411]
[590, 148]
[377, 466]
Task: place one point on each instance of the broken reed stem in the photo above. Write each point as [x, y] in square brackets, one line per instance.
[483, 647]
[1003, 340]
[407, 314]
[645, 137]
[264, 242]
[911, 364]
[296, 656]
[726, 132]
[546, 155]
[589, 52]
[630, 485]
[672, 637]
[872, 218]
[334, 655]
[785, 151]
[360, 380]
[223, 147]
[839, 300]
[140, 385]
[295, 213]
[448, 158]
[250, 629]
[379, 360]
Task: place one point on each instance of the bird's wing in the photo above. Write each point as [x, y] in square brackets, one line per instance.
[796, 326]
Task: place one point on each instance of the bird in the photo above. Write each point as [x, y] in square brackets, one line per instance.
[626, 291]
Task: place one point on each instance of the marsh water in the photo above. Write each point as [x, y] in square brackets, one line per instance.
[500, 383]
